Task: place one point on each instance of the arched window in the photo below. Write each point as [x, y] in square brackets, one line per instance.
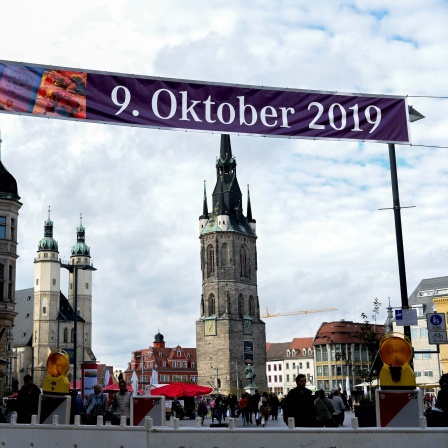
[72, 335]
[240, 304]
[65, 336]
[211, 305]
[251, 306]
[224, 260]
[244, 262]
[210, 261]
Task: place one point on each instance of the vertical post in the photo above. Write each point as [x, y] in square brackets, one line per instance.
[75, 323]
[237, 379]
[143, 367]
[399, 234]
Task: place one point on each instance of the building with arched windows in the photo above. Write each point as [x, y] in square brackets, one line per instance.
[229, 331]
[9, 212]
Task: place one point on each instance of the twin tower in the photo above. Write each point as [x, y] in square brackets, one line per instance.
[53, 319]
[229, 333]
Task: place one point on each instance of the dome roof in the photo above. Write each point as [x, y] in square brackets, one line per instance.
[81, 248]
[158, 338]
[48, 242]
[8, 185]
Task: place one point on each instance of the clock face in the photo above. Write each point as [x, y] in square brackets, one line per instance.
[247, 326]
[210, 327]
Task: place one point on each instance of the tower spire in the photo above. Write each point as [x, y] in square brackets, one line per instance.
[205, 214]
[249, 208]
[225, 152]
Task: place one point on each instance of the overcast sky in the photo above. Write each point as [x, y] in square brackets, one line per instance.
[322, 242]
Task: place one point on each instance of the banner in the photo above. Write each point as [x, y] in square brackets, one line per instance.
[130, 100]
[248, 352]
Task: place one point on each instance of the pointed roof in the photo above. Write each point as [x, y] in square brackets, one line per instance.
[249, 208]
[204, 205]
[225, 152]
[227, 197]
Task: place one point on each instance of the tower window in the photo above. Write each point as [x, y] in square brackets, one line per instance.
[44, 310]
[240, 305]
[244, 271]
[251, 306]
[54, 282]
[37, 281]
[87, 286]
[211, 305]
[72, 335]
[210, 261]
[65, 337]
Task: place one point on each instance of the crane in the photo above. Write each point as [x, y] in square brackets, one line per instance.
[293, 313]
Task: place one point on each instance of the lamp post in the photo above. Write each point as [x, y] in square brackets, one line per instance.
[73, 268]
[217, 379]
[413, 116]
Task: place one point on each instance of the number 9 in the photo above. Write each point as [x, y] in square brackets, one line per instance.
[377, 120]
[127, 98]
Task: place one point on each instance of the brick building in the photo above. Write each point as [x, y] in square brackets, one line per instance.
[170, 364]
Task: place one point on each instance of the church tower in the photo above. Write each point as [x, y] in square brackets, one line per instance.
[9, 212]
[47, 274]
[229, 332]
[80, 255]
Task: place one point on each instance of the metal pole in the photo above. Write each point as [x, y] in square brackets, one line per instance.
[75, 323]
[399, 234]
[237, 378]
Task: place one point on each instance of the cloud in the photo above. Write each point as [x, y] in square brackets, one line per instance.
[322, 242]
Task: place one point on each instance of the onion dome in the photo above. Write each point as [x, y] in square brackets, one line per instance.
[48, 242]
[8, 185]
[81, 248]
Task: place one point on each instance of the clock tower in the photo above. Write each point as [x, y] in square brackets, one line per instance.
[229, 332]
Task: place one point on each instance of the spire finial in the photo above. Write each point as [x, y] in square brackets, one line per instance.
[80, 219]
[49, 210]
[249, 208]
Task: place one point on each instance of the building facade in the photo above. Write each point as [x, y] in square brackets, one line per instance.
[9, 213]
[229, 332]
[162, 365]
[341, 354]
[430, 296]
[285, 360]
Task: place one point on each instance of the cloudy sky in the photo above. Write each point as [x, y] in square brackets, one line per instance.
[322, 242]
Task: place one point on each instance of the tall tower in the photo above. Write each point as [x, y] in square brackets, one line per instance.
[80, 255]
[47, 274]
[229, 332]
[9, 213]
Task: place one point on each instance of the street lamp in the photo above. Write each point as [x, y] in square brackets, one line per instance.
[217, 379]
[413, 116]
[73, 268]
